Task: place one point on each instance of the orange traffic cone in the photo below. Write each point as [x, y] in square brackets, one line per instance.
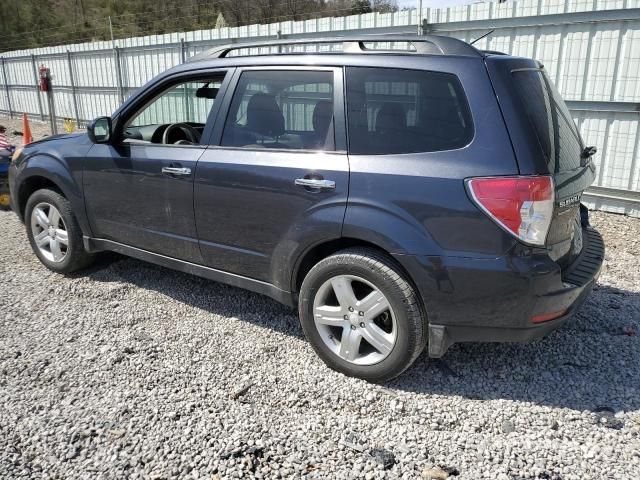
[26, 130]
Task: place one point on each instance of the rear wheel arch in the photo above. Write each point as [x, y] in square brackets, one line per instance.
[323, 250]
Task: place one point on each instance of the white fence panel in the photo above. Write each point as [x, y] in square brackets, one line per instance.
[591, 49]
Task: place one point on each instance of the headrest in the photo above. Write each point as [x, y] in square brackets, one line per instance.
[391, 116]
[264, 116]
[322, 115]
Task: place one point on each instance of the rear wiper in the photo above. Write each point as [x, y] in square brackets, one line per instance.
[588, 152]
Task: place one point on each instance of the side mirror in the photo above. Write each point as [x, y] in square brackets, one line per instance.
[99, 130]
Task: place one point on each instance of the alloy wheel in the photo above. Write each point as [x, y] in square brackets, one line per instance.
[49, 232]
[355, 320]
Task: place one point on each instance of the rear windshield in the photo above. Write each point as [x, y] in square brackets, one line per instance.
[552, 123]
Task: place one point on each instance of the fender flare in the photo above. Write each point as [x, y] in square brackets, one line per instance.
[395, 230]
[393, 234]
[55, 171]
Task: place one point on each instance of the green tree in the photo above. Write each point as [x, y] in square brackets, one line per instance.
[361, 6]
[34, 23]
[385, 6]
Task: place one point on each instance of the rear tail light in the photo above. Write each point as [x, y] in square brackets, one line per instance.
[521, 205]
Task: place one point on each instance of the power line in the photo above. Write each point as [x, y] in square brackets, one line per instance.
[262, 19]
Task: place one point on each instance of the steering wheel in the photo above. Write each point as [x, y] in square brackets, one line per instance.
[191, 133]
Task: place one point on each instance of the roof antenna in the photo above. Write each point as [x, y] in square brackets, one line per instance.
[485, 35]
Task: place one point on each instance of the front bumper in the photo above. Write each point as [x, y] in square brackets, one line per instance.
[494, 300]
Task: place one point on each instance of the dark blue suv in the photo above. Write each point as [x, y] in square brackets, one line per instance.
[401, 191]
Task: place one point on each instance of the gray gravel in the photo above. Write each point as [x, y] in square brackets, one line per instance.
[39, 129]
[131, 370]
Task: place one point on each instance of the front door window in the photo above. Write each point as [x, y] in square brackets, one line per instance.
[177, 116]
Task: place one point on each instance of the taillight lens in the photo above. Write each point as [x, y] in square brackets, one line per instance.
[521, 205]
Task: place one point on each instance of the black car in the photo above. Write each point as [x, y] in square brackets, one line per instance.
[401, 191]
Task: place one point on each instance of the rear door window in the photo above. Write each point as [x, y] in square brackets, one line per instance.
[549, 116]
[290, 110]
[405, 111]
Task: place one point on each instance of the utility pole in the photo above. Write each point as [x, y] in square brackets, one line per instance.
[36, 77]
[419, 17]
[113, 42]
[116, 60]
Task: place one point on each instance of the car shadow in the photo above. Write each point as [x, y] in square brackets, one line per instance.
[208, 295]
[590, 363]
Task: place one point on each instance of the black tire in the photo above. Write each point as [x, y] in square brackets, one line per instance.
[76, 257]
[384, 274]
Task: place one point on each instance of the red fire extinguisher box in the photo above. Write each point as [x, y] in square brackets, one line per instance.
[45, 79]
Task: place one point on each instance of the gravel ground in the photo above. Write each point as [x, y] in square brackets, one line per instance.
[38, 129]
[129, 370]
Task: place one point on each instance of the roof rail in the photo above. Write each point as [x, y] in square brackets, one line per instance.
[423, 45]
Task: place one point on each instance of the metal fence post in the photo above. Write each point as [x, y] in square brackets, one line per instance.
[36, 79]
[6, 88]
[183, 50]
[52, 110]
[116, 51]
[73, 88]
[183, 57]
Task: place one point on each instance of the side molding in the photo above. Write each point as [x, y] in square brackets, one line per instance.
[257, 286]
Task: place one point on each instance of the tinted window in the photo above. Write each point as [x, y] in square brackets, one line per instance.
[404, 111]
[188, 102]
[551, 121]
[282, 109]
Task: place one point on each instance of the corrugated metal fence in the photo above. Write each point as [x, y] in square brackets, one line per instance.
[590, 47]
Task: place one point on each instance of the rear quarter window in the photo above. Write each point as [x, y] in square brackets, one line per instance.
[549, 116]
[393, 111]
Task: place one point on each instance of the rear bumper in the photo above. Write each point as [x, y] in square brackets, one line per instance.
[494, 300]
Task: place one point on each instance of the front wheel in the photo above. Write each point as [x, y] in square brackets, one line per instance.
[54, 233]
[361, 315]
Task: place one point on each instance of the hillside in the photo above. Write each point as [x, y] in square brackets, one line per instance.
[36, 23]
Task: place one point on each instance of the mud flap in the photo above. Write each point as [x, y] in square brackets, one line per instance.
[439, 341]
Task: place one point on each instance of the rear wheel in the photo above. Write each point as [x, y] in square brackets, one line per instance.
[54, 233]
[361, 316]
